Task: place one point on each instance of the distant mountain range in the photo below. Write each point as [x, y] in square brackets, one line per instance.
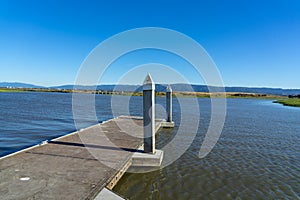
[160, 88]
[18, 85]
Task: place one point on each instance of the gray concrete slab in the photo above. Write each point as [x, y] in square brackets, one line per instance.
[165, 124]
[77, 166]
[141, 159]
[106, 194]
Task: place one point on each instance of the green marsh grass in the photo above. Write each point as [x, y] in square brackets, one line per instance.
[289, 102]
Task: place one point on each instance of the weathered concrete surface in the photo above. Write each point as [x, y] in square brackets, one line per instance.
[141, 159]
[168, 124]
[66, 169]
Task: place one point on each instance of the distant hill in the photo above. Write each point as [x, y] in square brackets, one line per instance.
[179, 87]
[18, 85]
[162, 87]
[186, 88]
[274, 91]
[127, 88]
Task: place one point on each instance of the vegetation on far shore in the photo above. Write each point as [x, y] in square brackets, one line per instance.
[226, 95]
[33, 90]
[295, 102]
[291, 101]
[10, 90]
[177, 94]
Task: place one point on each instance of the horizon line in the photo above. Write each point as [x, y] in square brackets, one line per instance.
[198, 84]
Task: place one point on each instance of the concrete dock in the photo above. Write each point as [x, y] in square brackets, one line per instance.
[74, 166]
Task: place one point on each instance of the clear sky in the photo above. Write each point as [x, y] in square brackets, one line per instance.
[253, 43]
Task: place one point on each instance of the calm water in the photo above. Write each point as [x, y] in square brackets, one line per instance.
[29, 118]
[257, 156]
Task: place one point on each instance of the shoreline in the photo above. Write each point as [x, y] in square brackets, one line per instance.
[160, 94]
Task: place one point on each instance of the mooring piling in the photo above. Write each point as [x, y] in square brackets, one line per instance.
[169, 119]
[150, 157]
[149, 114]
[169, 103]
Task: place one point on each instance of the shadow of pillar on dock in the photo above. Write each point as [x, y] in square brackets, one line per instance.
[95, 146]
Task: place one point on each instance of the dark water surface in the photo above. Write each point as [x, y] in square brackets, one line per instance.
[31, 117]
[257, 156]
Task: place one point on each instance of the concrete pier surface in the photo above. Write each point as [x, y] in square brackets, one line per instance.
[65, 168]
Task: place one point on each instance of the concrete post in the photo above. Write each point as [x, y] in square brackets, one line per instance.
[149, 115]
[169, 103]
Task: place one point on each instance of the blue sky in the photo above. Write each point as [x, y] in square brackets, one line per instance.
[253, 43]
